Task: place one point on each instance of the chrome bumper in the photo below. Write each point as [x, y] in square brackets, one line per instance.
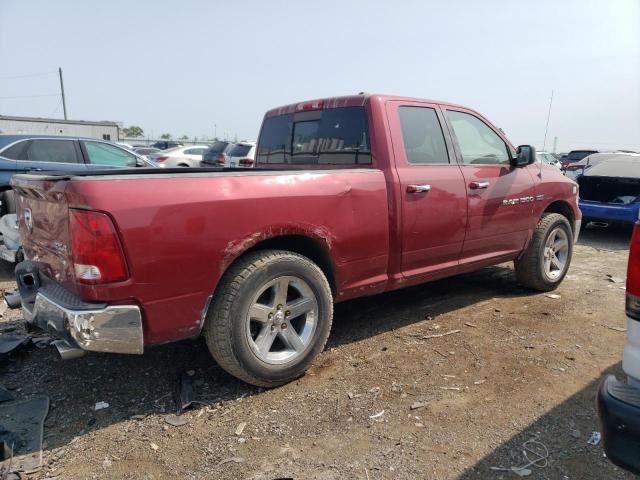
[115, 329]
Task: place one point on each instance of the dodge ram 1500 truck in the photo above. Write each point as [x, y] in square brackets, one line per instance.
[351, 196]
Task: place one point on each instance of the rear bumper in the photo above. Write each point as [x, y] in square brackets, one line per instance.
[619, 411]
[609, 212]
[89, 326]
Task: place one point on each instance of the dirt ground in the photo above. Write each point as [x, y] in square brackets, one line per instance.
[381, 402]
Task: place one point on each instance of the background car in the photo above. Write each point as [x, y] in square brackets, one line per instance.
[179, 157]
[575, 156]
[146, 151]
[28, 153]
[166, 144]
[548, 158]
[241, 155]
[576, 169]
[215, 155]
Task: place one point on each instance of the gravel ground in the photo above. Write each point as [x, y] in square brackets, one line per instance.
[387, 399]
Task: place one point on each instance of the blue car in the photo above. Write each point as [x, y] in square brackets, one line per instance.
[28, 153]
[610, 191]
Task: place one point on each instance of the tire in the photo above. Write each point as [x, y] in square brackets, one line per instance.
[244, 317]
[8, 202]
[536, 268]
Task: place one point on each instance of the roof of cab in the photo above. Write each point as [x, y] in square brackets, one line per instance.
[348, 101]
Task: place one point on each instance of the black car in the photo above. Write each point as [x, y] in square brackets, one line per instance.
[166, 144]
[575, 156]
[214, 155]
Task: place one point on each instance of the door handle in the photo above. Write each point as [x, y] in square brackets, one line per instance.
[418, 188]
[478, 185]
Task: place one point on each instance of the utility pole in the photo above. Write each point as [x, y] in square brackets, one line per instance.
[215, 131]
[64, 103]
[546, 129]
[555, 144]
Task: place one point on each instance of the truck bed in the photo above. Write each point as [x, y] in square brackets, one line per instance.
[180, 229]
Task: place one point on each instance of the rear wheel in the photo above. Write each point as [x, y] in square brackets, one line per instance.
[548, 256]
[270, 317]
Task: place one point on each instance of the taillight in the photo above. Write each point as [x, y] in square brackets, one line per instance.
[633, 275]
[573, 168]
[96, 250]
[307, 106]
[220, 159]
[246, 162]
[161, 159]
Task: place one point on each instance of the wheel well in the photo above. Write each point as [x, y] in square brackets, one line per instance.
[563, 209]
[310, 248]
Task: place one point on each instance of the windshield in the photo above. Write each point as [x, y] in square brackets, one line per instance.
[334, 136]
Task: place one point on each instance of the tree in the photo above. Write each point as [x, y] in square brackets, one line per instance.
[133, 131]
[165, 136]
[184, 137]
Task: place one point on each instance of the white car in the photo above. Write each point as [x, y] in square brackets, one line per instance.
[241, 155]
[179, 156]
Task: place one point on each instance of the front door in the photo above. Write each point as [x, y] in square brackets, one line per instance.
[500, 197]
[433, 197]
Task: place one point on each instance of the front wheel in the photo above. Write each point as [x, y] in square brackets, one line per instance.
[546, 260]
[270, 317]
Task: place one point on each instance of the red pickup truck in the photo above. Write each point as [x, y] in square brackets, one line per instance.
[351, 196]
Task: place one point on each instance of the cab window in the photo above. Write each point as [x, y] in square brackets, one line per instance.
[478, 143]
[422, 136]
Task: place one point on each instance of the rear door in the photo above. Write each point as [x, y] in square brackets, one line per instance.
[433, 195]
[500, 197]
[50, 154]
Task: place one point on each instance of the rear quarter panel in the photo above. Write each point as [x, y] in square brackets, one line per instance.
[181, 232]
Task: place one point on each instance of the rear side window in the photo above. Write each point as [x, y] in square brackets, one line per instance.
[194, 151]
[239, 150]
[105, 154]
[334, 136]
[57, 151]
[15, 152]
[478, 143]
[422, 136]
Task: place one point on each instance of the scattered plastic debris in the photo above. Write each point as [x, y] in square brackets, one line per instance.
[539, 458]
[377, 415]
[231, 460]
[594, 439]
[417, 405]
[555, 296]
[240, 428]
[176, 420]
[101, 406]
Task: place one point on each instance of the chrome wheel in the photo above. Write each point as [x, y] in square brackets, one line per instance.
[281, 320]
[556, 253]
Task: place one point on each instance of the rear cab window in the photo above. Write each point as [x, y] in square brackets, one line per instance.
[330, 136]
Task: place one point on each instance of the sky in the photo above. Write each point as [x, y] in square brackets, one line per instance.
[214, 67]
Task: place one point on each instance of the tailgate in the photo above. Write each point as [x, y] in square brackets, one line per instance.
[43, 221]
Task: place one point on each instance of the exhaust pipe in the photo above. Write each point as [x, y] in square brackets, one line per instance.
[599, 224]
[67, 352]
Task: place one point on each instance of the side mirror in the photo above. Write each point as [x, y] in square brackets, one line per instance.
[526, 155]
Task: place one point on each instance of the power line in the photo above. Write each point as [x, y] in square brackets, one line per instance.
[26, 75]
[32, 96]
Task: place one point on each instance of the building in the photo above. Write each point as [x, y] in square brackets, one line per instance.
[53, 126]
